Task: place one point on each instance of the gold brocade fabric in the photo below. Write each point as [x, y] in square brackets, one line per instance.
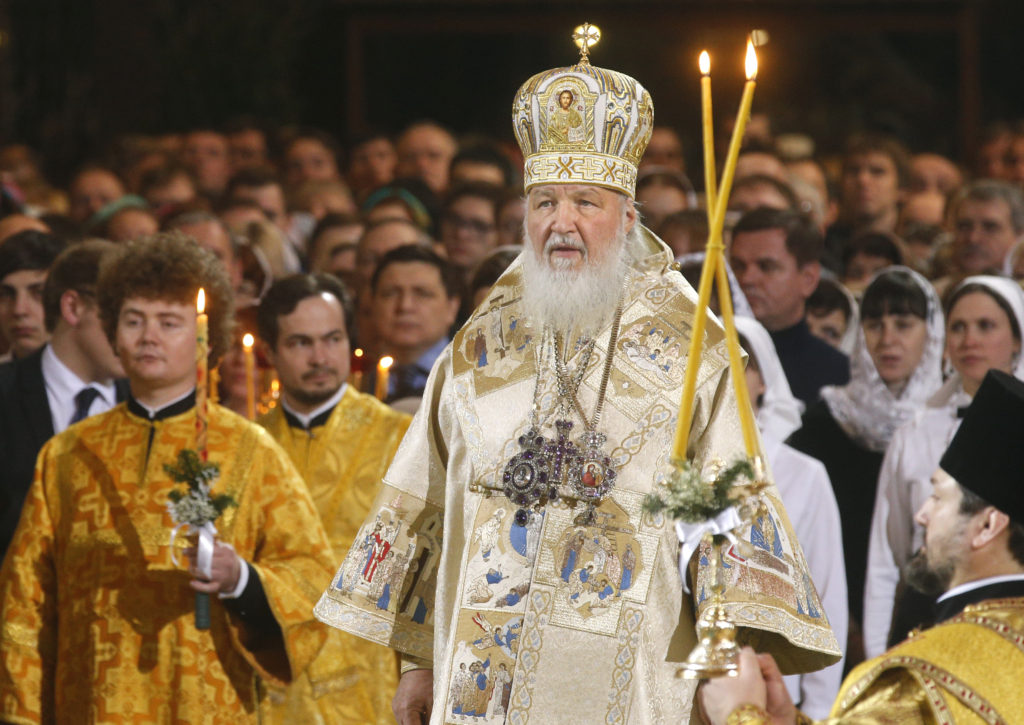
[542, 620]
[352, 680]
[97, 621]
[962, 671]
[965, 670]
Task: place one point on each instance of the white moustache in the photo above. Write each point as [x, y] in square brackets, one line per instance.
[564, 241]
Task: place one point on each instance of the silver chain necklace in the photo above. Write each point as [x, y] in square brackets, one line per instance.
[548, 469]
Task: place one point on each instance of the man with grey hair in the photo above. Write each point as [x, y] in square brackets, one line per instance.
[988, 219]
[543, 425]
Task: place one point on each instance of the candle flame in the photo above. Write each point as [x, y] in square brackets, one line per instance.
[201, 301]
[247, 341]
[358, 352]
[275, 386]
[386, 362]
[751, 63]
[704, 63]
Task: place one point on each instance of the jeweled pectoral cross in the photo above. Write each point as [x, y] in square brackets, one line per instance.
[546, 470]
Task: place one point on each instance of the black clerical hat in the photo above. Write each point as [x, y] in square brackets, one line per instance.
[984, 455]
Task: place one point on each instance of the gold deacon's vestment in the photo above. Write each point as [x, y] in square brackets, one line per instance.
[343, 462]
[962, 671]
[97, 619]
[529, 616]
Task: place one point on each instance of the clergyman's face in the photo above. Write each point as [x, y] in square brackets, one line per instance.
[577, 238]
[571, 225]
[932, 568]
[156, 341]
[311, 354]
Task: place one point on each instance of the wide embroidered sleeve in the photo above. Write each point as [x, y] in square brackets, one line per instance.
[769, 593]
[386, 588]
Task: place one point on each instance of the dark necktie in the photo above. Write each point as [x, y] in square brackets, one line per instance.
[83, 400]
[405, 382]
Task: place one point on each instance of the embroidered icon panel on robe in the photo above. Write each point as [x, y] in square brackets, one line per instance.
[389, 576]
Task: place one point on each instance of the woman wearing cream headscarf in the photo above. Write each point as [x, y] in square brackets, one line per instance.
[894, 368]
[984, 323]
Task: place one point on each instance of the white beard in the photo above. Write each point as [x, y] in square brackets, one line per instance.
[573, 300]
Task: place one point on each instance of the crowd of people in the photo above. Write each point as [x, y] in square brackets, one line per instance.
[876, 289]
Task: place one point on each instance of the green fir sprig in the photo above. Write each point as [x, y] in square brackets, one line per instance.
[685, 496]
[195, 506]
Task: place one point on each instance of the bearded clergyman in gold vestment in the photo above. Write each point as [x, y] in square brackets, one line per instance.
[342, 442]
[526, 582]
[967, 669]
[98, 621]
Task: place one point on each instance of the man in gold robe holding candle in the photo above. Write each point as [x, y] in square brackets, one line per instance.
[554, 597]
[96, 618]
[342, 442]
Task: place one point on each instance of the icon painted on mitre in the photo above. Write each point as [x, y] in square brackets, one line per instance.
[565, 118]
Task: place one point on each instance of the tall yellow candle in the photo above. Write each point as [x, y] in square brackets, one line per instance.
[713, 258]
[707, 124]
[250, 376]
[380, 390]
[202, 357]
[742, 117]
[693, 356]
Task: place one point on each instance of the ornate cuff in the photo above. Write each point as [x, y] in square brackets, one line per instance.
[748, 715]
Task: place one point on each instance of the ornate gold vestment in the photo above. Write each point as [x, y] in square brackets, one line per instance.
[343, 461]
[97, 621]
[965, 670]
[544, 620]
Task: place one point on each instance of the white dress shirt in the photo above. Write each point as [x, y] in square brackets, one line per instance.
[62, 386]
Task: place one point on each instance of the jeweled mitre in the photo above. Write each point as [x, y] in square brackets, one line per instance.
[582, 125]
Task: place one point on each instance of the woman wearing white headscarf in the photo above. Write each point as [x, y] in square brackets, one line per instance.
[807, 493]
[984, 322]
[895, 367]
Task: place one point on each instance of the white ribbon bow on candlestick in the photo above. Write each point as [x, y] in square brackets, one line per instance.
[690, 535]
[204, 554]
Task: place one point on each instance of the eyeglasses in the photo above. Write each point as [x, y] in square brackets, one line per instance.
[475, 226]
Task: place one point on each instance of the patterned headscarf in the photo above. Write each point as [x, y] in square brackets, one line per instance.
[865, 408]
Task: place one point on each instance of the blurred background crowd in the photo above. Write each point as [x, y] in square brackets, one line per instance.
[875, 233]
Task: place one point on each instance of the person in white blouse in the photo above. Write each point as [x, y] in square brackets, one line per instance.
[984, 321]
[807, 494]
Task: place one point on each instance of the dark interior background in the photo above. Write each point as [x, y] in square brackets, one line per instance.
[75, 73]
